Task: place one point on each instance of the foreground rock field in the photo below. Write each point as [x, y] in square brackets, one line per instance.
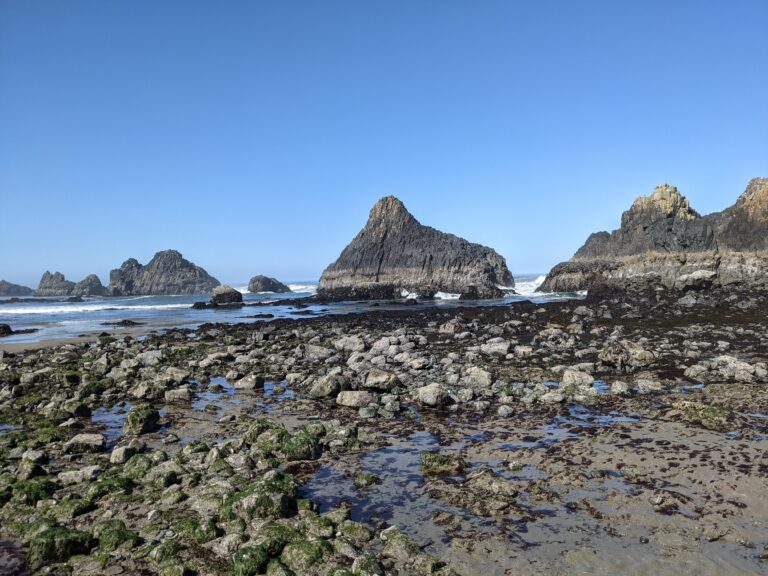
[580, 437]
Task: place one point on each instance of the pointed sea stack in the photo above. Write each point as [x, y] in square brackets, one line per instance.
[395, 252]
[168, 273]
[664, 244]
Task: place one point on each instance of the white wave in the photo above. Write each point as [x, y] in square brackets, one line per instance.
[87, 308]
[528, 288]
[446, 296]
[241, 289]
[303, 288]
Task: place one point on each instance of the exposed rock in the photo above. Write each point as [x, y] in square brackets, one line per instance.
[89, 286]
[664, 243]
[223, 295]
[395, 252]
[167, 273]
[355, 398]
[433, 395]
[266, 284]
[9, 289]
[54, 285]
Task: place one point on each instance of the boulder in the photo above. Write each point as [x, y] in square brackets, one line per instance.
[355, 398]
[225, 296]
[433, 395]
[266, 284]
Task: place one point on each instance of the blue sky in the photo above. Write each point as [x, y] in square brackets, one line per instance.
[255, 136]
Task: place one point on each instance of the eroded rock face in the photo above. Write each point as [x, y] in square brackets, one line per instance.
[10, 289]
[394, 251]
[167, 273]
[54, 285]
[664, 243]
[266, 284]
[89, 286]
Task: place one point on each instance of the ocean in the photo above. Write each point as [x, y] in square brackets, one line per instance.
[55, 318]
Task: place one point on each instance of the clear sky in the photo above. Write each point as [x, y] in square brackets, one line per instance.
[254, 136]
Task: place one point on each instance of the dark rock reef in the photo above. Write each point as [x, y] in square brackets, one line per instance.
[10, 289]
[395, 252]
[664, 243]
[167, 273]
[54, 285]
[262, 283]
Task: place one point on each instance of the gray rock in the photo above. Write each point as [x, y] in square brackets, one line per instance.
[167, 273]
[326, 386]
[433, 395]
[394, 251]
[355, 398]
[266, 284]
[382, 380]
[89, 286]
[224, 294]
[10, 289]
[85, 474]
[54, 285]
[85, 443]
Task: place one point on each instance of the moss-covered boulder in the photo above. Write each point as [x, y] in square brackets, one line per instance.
[249, 561]
[57, 544]
[302, 555]
[112, 534]
[273, 496]
[141, 420]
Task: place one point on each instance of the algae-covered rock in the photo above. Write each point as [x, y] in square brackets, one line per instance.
[301, 556]
[249, 561]
[141, 420]
[57, 544]
[273, 496]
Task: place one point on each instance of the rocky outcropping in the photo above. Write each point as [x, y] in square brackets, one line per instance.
[266, 284]
[54, 285]
[664, 244]
[395, 252]
[10, 289]
[166, 274]
[89, 286]
[223, 295]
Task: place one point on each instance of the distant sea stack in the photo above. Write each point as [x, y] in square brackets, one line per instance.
[54, 285]
[89, 286]
[266, 284]
[664, 243]
[10, 289]
[167, 273]
[394, 252]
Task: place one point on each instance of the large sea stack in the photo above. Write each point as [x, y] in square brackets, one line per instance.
[167, 273]
[395, 252]
[664, 243]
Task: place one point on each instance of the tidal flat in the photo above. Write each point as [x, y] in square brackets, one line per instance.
[579, 437]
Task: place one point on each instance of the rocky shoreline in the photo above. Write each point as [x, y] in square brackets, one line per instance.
[566, 437]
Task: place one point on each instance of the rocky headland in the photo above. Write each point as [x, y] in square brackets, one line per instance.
[54, 285]
[262, 283]
[664, 244]
[394, 252]
[10, 289]
[168, 273]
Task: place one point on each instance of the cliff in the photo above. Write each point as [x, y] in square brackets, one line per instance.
[167, 273]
